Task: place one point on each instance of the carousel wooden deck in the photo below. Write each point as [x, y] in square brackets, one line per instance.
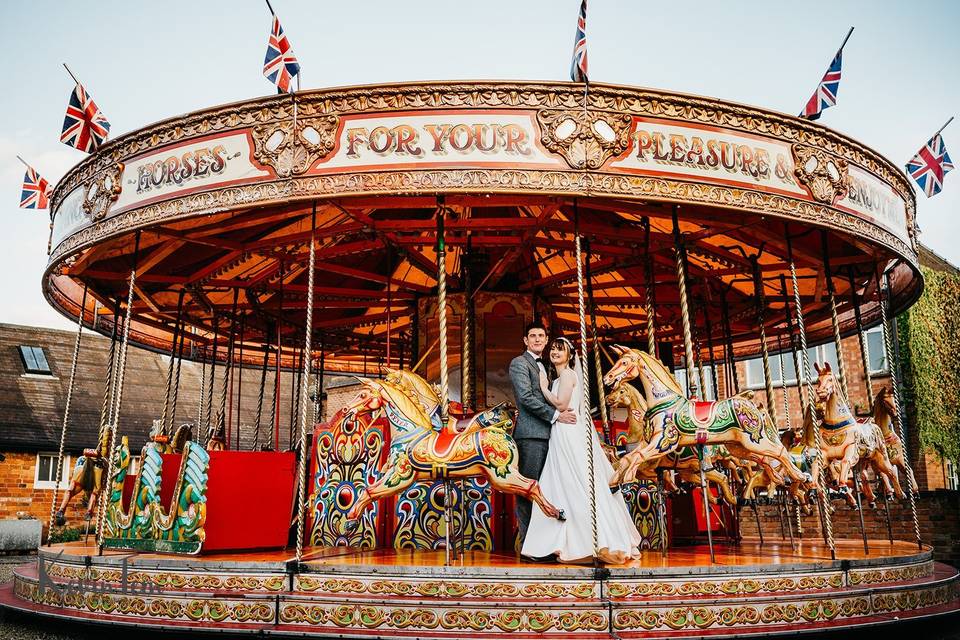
[365, 594]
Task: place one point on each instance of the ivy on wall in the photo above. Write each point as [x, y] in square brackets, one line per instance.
[930, 358]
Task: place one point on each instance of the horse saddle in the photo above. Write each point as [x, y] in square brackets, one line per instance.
[703, 412]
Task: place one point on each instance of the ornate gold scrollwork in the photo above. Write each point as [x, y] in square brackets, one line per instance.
[274, 145]
[824, 175]
[103, 191]
[584, 139]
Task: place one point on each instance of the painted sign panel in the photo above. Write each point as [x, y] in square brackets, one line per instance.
[202, 164]
[439, 139]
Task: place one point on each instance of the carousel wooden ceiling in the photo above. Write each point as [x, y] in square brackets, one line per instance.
[245, 273]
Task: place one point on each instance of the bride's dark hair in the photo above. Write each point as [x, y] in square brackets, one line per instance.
[571, 352]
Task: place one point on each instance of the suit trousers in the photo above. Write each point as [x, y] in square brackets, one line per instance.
[533, 456]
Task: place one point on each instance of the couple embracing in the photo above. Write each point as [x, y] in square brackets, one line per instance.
[551, 437]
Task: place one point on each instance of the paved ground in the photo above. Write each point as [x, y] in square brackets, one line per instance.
[19, 627]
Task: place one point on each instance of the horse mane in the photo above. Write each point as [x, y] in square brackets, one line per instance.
[401, 400]
[660, 371]
[417, 385]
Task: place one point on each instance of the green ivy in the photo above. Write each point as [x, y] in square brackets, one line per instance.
[64, 534]
[930, 359]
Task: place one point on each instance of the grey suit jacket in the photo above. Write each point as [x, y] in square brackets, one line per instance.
[536, 414]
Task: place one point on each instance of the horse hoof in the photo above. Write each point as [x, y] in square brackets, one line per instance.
[350, 526]
[615, 489]
[561, 516]
[59, 519]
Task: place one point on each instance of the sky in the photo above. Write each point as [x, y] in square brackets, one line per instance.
[144, 62]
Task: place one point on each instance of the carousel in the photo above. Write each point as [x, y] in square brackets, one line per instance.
[407, 235]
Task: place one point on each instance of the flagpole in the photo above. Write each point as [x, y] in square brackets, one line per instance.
[849, 33]
[29, 167]
[933, 136]
[269, 6]
[71, 73]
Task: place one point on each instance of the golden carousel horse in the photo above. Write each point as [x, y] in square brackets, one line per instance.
[676, 421]
[684, 462]
[848, 440]
[89, 476]
[884, 411]
[418, 451]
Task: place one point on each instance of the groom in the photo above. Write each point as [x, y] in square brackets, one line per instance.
[532, 432]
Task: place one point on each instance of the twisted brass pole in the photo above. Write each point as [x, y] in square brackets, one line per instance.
[801, 330]
[832, 295]
[585, 408]
[304, 448]
[118, 397]
[888, 346]
[764, 351]
[66, 408]
[862, 339]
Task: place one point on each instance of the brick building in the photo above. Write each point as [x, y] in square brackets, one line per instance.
[34, 376]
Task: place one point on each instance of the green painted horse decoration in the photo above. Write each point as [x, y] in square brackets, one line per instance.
[676, 421]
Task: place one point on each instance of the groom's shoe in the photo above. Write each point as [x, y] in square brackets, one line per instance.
[615, 489]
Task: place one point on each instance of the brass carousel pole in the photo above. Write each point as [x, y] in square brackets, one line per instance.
[318, 383]
[444, 373]
[66, 407]
[802, 333]
[601, 392]
[306, 359]
[733, 382]
[862, 339]
[832, 295]
[118, 397]
[842, 370]
[692, 390]
[761, 302]
[585, 408]
[208, 417]
[652, 350]
[884, 299]
[796, 374]
[650, 293]
[170, 366]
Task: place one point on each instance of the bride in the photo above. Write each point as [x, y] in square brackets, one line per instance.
[565, 481]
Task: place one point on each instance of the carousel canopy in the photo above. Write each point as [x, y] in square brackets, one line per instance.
[215, 211]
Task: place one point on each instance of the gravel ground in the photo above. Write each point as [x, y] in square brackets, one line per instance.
[14, 626]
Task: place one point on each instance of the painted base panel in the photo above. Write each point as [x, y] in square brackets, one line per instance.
[750, 589]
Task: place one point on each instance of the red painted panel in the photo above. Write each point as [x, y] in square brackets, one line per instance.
[250, 498]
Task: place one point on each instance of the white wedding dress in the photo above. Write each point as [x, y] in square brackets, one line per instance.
[565, 484]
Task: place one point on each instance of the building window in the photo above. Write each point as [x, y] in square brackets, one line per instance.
[950, 470]
[879, 365]
[708, 376]
[34, 360]
[821, 354]
[46, 468]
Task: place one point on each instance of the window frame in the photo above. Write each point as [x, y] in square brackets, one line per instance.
[820, 356]
[27, 367]
[64, 472]
[885, 371]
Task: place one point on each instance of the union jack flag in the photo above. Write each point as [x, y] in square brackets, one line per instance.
[929, 166]
[826, 93]
[35, 191]
[84, 127]
[578, 66]
[280, 66]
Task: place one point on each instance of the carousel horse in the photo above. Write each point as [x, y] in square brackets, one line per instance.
[802, 456]
[89, 476]
[418, 451]
[428, 397]
[884, 411]
[676, 421]
[684, 462]
[846, 439]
